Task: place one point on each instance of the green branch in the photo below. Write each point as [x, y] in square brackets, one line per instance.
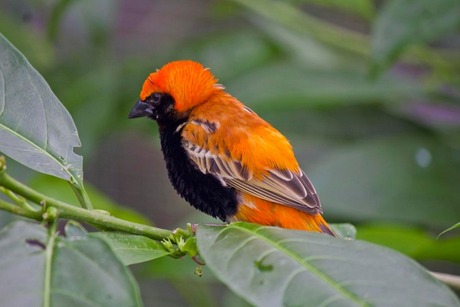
[6, 206]
[97, 218]
[49, 253]
[81, 194]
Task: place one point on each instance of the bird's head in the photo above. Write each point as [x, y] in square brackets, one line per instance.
[171, 92]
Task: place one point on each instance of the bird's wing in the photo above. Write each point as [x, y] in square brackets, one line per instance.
[281, 186]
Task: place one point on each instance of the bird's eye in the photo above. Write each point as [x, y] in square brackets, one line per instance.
[155, 98]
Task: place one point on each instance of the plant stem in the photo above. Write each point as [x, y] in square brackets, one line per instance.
[452, 281]
[6, 206]
[82, 196]
[449, 229]
[49, 252]
[93, 217]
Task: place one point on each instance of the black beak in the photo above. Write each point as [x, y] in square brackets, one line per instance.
[140, 109]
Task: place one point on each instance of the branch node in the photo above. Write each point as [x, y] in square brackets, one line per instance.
[50, 215]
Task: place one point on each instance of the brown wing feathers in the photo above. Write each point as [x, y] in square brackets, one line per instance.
[206, 143]
[279, 186]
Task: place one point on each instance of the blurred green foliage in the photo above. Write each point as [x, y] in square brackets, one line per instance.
[59, 189]
[368, 92]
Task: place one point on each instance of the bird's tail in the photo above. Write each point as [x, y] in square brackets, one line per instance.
[291, 218]
[300, 220]
[323, 225]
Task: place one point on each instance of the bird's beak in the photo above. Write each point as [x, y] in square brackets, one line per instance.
[140, 109]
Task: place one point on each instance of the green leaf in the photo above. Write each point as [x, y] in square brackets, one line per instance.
[132, 249]
[22, 264]
[344, 231]
[6, 218]
[84, 270]
[35, 128]
[270, 266]
[405, 22]
[74, 229]
[414, 242]
[176, 270]
[406, 178]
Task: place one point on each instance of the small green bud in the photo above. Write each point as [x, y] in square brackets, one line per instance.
[50, 214]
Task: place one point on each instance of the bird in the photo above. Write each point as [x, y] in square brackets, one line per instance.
[223, 158]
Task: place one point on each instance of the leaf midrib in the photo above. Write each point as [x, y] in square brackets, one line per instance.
[311, 268]
[42, 150]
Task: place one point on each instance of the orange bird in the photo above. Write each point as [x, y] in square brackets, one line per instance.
[221, 156]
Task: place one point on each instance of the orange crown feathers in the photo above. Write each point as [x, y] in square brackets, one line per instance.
[188, 82]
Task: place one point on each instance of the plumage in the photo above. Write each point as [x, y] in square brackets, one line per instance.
[225, 150]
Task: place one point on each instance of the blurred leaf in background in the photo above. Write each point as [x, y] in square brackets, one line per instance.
[412, 241]
[59, 189]
[405, 179]
[383, 152]
[402, 23]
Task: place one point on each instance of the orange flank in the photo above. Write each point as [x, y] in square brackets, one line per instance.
[259, 211]
[221, 156]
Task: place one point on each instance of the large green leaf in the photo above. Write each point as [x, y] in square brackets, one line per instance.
[35, 128]
[270, 266]
[73, 271]
[406, 178]
[405, 22]
[22, 265]
[132, 249]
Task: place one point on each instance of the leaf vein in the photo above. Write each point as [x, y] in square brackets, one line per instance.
[310, 267]
[39, 149]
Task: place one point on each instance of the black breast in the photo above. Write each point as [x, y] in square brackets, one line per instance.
[202, 191]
